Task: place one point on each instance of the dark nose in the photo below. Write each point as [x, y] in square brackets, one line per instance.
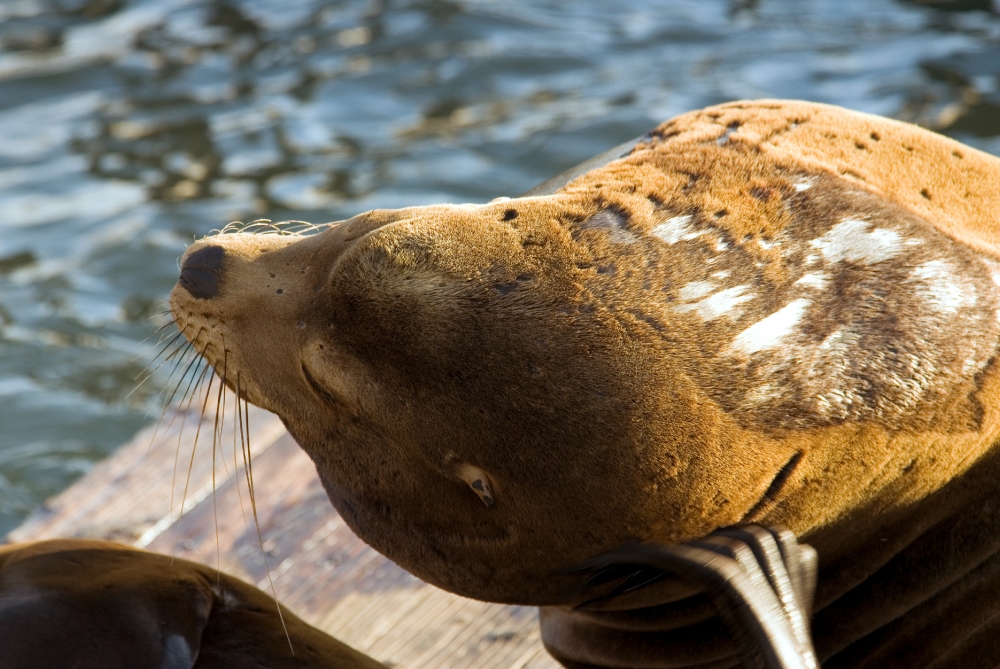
[201, 272]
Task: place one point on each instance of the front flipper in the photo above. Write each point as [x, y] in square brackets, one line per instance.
[760, 582]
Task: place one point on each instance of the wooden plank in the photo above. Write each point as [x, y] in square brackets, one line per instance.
[138, 490]
[318, 567]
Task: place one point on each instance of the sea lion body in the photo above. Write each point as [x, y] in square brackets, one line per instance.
[775, 312]
[101, 605]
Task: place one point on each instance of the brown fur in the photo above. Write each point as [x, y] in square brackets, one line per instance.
[562, 347]
[96, 604]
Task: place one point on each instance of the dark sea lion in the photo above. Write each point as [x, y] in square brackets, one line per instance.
[772, 312]
[100, 605]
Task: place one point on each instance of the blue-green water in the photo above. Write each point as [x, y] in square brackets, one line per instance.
[129, 128]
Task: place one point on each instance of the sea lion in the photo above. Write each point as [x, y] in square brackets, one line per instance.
[774, 312]
[100, 605]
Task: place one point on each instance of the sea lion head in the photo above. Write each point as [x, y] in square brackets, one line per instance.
[713, 329]
[473, 411]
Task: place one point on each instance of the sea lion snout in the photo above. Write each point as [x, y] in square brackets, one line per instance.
[201, 272]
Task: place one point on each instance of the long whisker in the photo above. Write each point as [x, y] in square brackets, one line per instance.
[152, 372]
[183, 349]
[222, 410]
[194, 446]
[186, 348]
[215, 504]
[157, 331]
[219, 425]
[183, 412]
[245, 447]
[191, 365]
[166, 346]
[244, 415]
[195, 360]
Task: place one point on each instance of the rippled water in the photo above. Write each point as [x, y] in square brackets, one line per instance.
[127, 129]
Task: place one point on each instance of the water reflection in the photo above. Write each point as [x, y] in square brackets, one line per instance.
[131, 127]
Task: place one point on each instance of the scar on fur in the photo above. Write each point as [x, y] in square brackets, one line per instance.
[477, 479]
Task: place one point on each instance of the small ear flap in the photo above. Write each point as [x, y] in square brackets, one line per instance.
[478, 480]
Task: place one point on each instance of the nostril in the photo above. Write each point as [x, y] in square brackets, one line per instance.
[201, 272]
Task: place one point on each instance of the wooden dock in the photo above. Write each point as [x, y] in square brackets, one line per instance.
[319, 568]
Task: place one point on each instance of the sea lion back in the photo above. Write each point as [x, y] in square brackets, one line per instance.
[830, 266]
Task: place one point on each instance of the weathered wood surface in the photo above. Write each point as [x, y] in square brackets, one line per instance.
[319, 568]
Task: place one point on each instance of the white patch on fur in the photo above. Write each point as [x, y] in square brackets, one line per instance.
[769, 332]
[695, 289]
[611, 222]
[723, 303]
[995, 275]
[620, 236]
[850, 240]
[940, 288]
[766, 245]
[676, 229]
[805, 184]
[811, 258]
[762, 395]
[970, 366]
[835, 403]
[724, 137]
[815, 280]
[721, 245]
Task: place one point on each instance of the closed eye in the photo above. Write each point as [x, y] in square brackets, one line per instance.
[318, 389]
